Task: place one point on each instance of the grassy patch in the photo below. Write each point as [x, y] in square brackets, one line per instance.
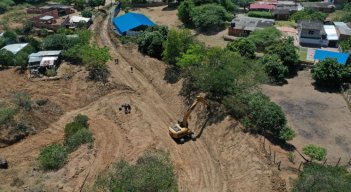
[302, 55]
[52, 157]
[285, 24]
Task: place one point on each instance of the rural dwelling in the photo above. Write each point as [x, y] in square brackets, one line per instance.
[325, 7]
[75, 20]
[321, 55]
[344, 31]
[42, 61]
[131, 23]
[242, 26]
[49, 20]
[332, 35]
[261, 7]
[62, 10]
[312, 33]
[15, 48]
[284, 10]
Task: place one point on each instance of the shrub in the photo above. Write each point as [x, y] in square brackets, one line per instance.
[6, 115]
[184, 12]
[260, 14]
[22, 100]
[52, 157]
[81, 119]
[150, 42]
[308, 14]
[316, 177]
[315, 152]
[265, 37]
[194, 56]
[243, 46]
[6, 58]
[82, 136]
[72, 128]
[209, 16]
[3, 7]
[98, 72]
[177, 43]
[152, 172]
[274, 68]
[87, 13]
[286, 133]
[329, 72]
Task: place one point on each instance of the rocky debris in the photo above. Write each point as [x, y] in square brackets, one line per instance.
[3, 163]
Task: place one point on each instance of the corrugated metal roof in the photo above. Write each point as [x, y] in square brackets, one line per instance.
[131, 21]
[15, 48]
[343, 28]
[46, 17]
[331, 32]
[77, 19]
[45, 53]
[323, 54]
[262, 6]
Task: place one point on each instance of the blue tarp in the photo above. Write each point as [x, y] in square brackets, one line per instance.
[131, 21]
[323, 54]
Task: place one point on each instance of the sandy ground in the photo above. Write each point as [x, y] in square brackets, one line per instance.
[163, 16]
[222, 159]
[320, 118]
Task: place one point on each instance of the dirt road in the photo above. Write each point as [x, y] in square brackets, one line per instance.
[222, 159]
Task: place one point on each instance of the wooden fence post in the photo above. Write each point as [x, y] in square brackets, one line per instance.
[264, 143]
[300, 165]
[274, 157]
[349, 162]
[325, 161]
[270, 150]
[338, 162]
[280, 162]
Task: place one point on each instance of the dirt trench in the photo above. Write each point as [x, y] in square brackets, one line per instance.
[222, 159]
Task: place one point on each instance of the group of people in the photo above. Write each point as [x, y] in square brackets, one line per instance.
[126, 107]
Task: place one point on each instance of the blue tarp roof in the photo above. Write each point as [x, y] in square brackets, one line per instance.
[131, 21]
[323, 54]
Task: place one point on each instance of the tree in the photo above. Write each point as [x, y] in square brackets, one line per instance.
[10, 36]
[346, 44]
[286, 133]
[184, 12]
[52, 157]
[6, 58]
[192, 57]
[56, 42]
[150, 42]
[178, 41]
[265, 37]
[243, 46]
[316, 177]
[87, 13]
[209, 16]
[308, 14]
[229, 6]
[315, 152]
[274, 68]
[287, 53]
[329, 72]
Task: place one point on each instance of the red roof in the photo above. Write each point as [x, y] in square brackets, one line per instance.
[262, 6]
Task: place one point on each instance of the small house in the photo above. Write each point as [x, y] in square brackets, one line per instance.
[312, 33]
[43, 60]
[321, 55]
[284, 11]
[242, 26]
[332, 35]
[343, 30]
[75, 20]
[325, 7]
[261, 7]
[61, 9]
[15, 48]
[131, 23]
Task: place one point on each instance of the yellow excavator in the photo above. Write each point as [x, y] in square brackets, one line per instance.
[179, 131]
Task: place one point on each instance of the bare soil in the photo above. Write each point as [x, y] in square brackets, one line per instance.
[223, 158]
[318, 117]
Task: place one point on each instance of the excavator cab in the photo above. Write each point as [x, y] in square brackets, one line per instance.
[180, 130]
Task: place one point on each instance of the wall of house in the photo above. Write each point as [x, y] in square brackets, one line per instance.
[237, 32]
[309, 33]
[317, 42]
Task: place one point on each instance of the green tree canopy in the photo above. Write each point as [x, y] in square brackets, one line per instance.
[6, 58]
[178, 41]
[315, 152]
[184, 12]
[150, 42]
[209, 16]
[52, 157]
[346, 44]
[274, 68]
[308, 14]
[329, 72]
[243, 46]
[192, 57]
[316, 177]
[265, 37]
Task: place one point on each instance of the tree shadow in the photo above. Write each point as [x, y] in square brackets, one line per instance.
[281, 143]
[170, 7]
[326, 88]
[172, 75]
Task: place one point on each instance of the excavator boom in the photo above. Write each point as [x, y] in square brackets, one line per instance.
[192, 107]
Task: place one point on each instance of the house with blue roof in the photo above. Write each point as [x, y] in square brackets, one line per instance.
[131, 22]
[321, 55]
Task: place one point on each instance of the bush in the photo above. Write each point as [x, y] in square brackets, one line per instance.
[72, 128]
[316, 177]
[150, 42]
[87, 13]
[308, 14]
[194, 56]
[329, 73]
[3, 7]
[286, 133]
[210, 16]
[177, 43]
[82, 136]
[22, 100]
[184, 12]
[6, 115]
[52, 157]
[274, 68]
[243, 46]
[81, 119]
[152, 172]
[315, 152]
[98, 72]
[6, 58]
[260, 14]
[265, 37]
